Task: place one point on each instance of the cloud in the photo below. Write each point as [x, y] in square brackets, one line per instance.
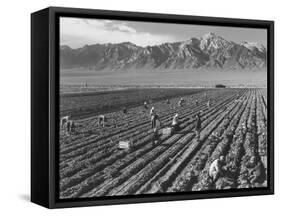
[76, 32]
[125, 28]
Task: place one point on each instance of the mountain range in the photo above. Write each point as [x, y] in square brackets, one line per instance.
[207, 52]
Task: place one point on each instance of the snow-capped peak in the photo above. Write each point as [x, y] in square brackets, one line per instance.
[254, 45]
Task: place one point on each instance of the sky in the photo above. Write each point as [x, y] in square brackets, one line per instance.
[78, 32]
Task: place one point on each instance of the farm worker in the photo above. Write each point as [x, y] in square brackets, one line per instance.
[196, 102]
[64, 120]
[181, 102]
[72, 127]
[155, 136]
[208, 104]
[68, 126]
[205, 95]
[152, 111]
[215, 169]
[124, 110]
[198, 126]
[257, 171]
[154, 119]
[168, 101]
[175, 122]
[101, 120]
[145, 105]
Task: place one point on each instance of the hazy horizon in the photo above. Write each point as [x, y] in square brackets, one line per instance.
[156, 77]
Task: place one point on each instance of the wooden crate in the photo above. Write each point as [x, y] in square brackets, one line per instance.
[124, 144]
[167, 131]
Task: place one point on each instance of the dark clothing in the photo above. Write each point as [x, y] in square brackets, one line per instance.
[68, 126]
[155, 137]
[72, 129]
[257, 172]
[154, 119]
[198, 124]
[198, 128]
[175, 128]
[101, 120]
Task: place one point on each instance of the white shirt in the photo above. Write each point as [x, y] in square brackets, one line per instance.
[175, 120]
[152, 111]
[214, 168]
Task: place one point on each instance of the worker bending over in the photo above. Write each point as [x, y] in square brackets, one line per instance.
[215, 170]
[101, 120]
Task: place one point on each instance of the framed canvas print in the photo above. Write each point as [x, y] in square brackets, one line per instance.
[138, 107]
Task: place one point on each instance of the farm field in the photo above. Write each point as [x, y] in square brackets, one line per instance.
[92, 165]
[86, 103]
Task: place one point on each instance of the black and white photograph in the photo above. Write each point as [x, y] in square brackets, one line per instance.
[160, 108]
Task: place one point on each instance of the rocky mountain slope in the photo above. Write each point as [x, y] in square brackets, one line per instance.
[209, 51]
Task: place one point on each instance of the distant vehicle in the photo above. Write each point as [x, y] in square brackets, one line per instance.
[220, 86]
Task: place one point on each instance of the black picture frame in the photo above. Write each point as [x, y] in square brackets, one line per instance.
[45, 105]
